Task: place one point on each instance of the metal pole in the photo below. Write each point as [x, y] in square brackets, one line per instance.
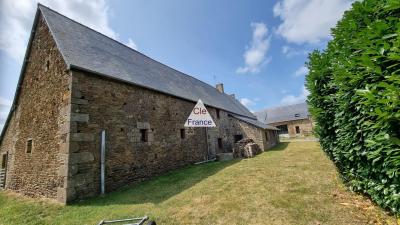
[208, 145]
[102, 161]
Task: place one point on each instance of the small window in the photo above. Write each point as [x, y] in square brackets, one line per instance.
[297, 130]
[220, 143]
[47, 65]
[297, 115]
[266, 135]
[29, 146]
[238, 137]
[143, 135]
[182, 133]
[217, 110]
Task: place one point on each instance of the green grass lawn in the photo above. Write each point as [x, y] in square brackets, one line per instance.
[294, 183]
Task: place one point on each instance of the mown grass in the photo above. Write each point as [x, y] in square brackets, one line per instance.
[294, 183]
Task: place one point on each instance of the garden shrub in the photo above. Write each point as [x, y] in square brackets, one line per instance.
[354, 98]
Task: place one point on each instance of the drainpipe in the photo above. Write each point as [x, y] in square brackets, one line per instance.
[102, 161]
[208, 145]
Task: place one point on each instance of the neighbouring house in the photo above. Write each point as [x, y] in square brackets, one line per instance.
[76, 83]
[291, 120]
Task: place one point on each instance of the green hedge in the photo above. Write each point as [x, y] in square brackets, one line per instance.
[354, 89]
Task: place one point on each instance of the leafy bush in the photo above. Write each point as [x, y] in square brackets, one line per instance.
[355, 99]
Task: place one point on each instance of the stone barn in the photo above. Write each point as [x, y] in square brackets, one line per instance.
[291, 120]
[76, 83]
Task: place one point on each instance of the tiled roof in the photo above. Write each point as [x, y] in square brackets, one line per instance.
[283, 113]
[255, 122]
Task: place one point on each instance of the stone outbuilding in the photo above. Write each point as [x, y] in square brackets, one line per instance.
[291, 120]
[77, 83]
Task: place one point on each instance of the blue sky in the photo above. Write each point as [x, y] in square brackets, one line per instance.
[257, 49]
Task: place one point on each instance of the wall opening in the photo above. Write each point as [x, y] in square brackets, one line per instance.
[3, 169]
[297, 130]
[266, 135]
[220, 143]
[282, 129]
[217, 110]
[182, 133]
[47, 67]
[238, 137]
[143, 135]
[29, 146]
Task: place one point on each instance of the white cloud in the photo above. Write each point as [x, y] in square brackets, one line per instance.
[131, 44]
[5, 105]
[301, 71]
[247, 102]
[308, 21]
[16, 18]
[255, 54]
[291, 52]
[292, 99]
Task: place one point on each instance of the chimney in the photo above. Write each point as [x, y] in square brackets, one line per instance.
[220, 87]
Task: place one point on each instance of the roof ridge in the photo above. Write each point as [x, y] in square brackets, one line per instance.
[282, 106]
[116, 41]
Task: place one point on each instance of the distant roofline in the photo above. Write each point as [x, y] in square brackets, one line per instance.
[283, 121]
[262, 115]
[283, 106]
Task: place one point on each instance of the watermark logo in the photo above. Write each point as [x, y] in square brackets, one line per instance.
[199, 117]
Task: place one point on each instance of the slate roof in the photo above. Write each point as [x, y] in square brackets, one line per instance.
[85, 49]
[255, 123]
[283, 113]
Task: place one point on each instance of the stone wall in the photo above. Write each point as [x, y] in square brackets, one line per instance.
[249, 131]
[39, 115]
[271, 138]
[228, 126]
[124, 111]
[222, 130]
[305, 125]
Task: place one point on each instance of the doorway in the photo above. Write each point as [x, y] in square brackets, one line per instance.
[297, 130]
[3, 170]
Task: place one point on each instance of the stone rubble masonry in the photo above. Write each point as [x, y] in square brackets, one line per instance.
[305, 125]
[42, 116]
[123, 110]
[64, 112]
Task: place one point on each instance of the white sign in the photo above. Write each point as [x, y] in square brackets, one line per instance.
[199, 117]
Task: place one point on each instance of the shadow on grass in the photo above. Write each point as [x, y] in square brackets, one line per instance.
[160, 188]
[281, 146]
